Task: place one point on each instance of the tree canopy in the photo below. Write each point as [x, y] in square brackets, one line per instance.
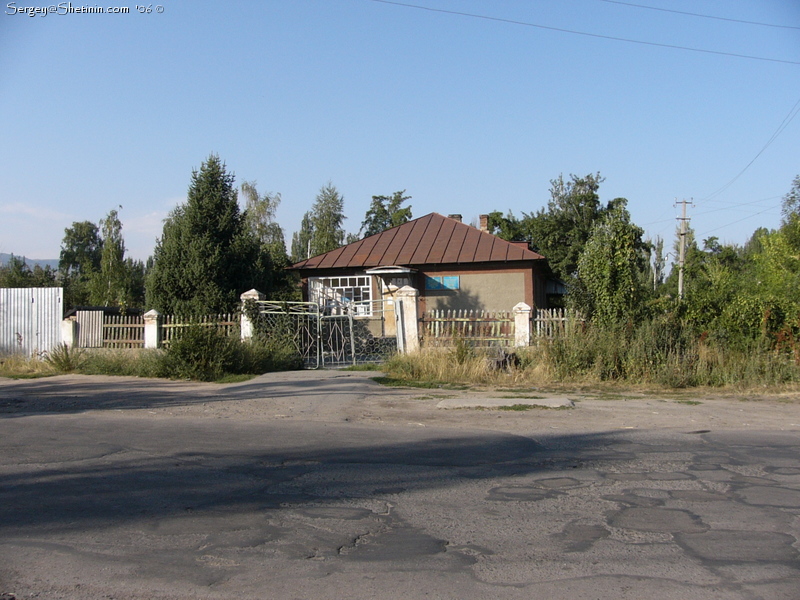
[560, 231]
[384, 213]
[610, 288]
[322, 227]
[206, 256]
[18, 274]
[80, 258]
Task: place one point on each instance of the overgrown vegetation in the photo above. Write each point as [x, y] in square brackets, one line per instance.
[204, 354]
[662, 352]
[199, 353]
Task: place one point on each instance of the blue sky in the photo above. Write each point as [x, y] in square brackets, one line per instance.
[467, 114]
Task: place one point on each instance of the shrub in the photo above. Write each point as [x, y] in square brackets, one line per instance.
[202, 353]
[64, 359]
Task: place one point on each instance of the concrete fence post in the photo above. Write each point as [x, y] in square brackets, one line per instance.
[152, 329]
[522, 325]
[69, 333]
[407, 300]
[246, 329]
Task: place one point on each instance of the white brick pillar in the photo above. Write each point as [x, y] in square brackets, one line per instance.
[246, 328]
[69, 333]
[407, 305]
[522, 325]
[152, 329]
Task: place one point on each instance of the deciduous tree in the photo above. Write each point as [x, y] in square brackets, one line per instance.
[80, 258]
[327, 219]
[561, 231]
[610, 267]
[109, 284]
[385, 212]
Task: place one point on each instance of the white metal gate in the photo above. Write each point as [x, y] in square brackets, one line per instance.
[334, 335]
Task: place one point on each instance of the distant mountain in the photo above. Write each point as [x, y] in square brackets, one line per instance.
[31, 262]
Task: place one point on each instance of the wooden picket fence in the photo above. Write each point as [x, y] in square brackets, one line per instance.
[482, 328]
[551, 322]
[128, 331]
[476, 327]
[123, 331]
[171, 325]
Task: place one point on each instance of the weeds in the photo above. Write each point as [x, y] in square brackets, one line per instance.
[661, 352]
[18, 366]
[64, 359]
[202, 354]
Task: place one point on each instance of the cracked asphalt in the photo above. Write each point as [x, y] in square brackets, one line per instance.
[322, 484]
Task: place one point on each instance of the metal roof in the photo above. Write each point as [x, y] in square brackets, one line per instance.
[432, 239]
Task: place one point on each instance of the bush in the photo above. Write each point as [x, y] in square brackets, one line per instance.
[205, 354]
[202, 353]
[64, 359]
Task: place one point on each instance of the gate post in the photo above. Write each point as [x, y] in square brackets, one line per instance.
[408, 329]
[69, 333]
[246, 329]
[522, 325]
[152, 329]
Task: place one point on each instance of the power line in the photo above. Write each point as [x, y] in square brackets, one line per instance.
[784, 124]
[691, 14]
[585, 33]
[740, 220]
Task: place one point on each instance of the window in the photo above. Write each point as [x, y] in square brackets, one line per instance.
[446, 282]
[336, 293]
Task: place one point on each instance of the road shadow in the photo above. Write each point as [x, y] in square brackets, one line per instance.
[67, 394]
[132, 469]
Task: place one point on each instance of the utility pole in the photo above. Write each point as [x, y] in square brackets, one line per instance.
[682, 244]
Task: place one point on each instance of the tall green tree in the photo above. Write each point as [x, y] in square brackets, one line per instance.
[384, 213]
[260, 218]
[507, 227]
[206, 256]
[327, 220]
[561, 231]
[301, 240]
[109, 284]
[790, 225]
[135, 275]
[80, 258]
[611, 288]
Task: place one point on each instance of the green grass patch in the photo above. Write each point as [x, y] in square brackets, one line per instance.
[428, 385]
[236, 378]
[517, 407]
[524, 407]
[522, 397]
[364, 367]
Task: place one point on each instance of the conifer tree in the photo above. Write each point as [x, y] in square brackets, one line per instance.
[206, 256]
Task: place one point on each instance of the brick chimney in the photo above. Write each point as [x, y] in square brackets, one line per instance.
[456, 217]
[484, 219]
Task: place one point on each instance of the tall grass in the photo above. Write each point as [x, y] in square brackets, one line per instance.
[199, 353]
[20, 366]
[659, 352]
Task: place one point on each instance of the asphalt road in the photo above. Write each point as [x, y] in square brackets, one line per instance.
[327, 486]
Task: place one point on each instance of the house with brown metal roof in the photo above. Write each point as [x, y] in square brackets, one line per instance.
[452, 264]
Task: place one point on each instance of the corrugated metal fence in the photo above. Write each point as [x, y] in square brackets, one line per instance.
[30, 319]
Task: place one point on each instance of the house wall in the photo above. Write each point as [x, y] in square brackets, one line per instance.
[490, 291]
[490, 287]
